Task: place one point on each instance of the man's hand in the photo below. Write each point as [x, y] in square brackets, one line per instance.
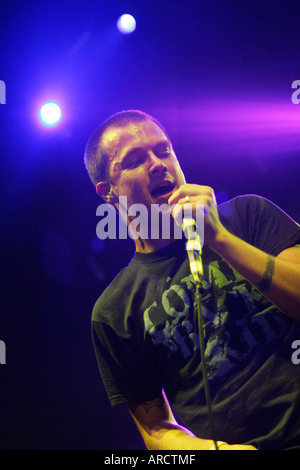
[282, 273]
[225, 446]
[204, 196]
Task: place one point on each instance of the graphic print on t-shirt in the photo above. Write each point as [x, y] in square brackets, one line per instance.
[235, 325]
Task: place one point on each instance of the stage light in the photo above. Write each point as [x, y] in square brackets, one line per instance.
[50, 113]
[126, 24]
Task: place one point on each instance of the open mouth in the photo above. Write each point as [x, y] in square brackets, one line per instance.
[161, 189]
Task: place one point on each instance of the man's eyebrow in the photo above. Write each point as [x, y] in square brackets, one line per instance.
[163, 144]
[166, 144]
[132, 152]
[125, 158]
[117, 164]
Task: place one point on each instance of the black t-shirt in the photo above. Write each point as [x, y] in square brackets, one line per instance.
[145, 336]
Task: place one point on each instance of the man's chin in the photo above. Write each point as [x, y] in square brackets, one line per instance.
[162, 199]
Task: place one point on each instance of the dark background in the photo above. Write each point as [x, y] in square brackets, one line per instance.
[218, 75]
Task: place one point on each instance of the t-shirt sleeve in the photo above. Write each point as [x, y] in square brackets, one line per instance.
[261, 223]
[128, 374]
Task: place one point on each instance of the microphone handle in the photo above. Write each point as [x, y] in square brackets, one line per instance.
[193, 247]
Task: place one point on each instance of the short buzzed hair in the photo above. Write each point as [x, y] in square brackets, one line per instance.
[96, 158]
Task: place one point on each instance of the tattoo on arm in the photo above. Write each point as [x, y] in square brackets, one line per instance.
[158, 402]
[266, 281]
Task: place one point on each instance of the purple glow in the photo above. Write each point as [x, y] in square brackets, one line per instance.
[233, 126]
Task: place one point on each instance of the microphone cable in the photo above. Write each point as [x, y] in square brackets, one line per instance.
[204, 368]
[194, 249]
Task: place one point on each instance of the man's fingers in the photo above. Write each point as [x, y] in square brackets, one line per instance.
[194, 191]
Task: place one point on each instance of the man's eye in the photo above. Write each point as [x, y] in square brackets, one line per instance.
[134, 163]
[164, 153]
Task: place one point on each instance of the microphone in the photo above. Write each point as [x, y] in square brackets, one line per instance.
[193, 245]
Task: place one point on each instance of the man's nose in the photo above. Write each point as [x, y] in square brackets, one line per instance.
[157, 166]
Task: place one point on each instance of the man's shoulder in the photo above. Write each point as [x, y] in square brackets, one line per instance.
[243, 205]
[242, 201]
[237, 214]
[114, 294]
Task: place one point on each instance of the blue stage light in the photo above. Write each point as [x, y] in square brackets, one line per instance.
[126, 24]
[50, 113]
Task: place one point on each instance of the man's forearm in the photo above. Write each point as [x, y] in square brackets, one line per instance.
[160, 430]
[277, 279]
[171, 436]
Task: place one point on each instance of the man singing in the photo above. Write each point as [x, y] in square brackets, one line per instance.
[145, 329]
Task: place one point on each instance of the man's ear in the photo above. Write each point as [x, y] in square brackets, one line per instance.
[104, 190]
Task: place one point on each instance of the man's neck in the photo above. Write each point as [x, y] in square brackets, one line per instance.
[148, 246]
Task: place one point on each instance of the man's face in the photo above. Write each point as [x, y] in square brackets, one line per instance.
[143, 165]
